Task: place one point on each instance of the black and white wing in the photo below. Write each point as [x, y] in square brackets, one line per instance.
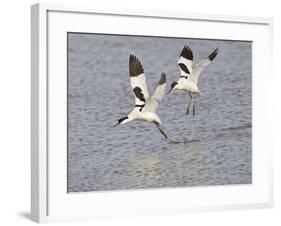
[157, 96]
[197, 70]
[138, 82]
[185, 61]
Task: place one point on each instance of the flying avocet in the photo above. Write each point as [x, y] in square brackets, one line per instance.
[144, 109]
[188, 80]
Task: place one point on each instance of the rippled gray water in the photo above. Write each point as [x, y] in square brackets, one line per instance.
[211, 148]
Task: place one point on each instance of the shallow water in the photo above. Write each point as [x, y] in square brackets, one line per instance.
[211, 148]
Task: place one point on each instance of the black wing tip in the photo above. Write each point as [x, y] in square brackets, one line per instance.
[162, 79]
[135, 66]
[187, 52]
[133, 57]
[213, 55]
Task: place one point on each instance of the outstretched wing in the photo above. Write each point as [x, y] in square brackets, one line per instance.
[185, 61]
[200, 67]
[138, 82]
[157, 96]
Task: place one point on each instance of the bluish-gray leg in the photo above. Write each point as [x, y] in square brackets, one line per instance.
[194, 106]
[187, 110]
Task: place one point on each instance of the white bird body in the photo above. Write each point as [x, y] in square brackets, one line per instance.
[142, 116]
[188, 86]
[188, 80]
[145, 106]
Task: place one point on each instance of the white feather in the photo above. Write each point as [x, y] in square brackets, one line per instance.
[140, 81]
[155, 99]
[198, 70]
[187, 63]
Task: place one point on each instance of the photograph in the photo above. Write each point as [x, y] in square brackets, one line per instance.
[153, 112]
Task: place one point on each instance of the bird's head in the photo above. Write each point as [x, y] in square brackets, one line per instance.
[122, 121]
[173, 86]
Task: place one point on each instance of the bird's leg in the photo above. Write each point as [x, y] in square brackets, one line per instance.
[194, 106]
[161, 131]
[187, 110]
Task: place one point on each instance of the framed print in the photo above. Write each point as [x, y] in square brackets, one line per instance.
[144, 112]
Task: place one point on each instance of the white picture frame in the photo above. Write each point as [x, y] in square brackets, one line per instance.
[49, 199]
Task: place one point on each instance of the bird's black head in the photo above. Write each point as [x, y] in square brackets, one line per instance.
[173, 86]
[121, 120]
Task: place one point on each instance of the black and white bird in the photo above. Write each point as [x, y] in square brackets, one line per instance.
[145, 106]
[188, 80]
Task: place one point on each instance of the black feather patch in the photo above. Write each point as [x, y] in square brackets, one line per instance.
[138, 93]
[162, 79]
[213, 55]
[122, 119]
[139, 106]
[184, 68]
[187, 53]
[135, 67]
[173, 85]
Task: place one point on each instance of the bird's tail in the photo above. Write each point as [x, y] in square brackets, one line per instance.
[199, 93]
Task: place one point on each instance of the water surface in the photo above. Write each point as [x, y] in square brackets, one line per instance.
[211, 148]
